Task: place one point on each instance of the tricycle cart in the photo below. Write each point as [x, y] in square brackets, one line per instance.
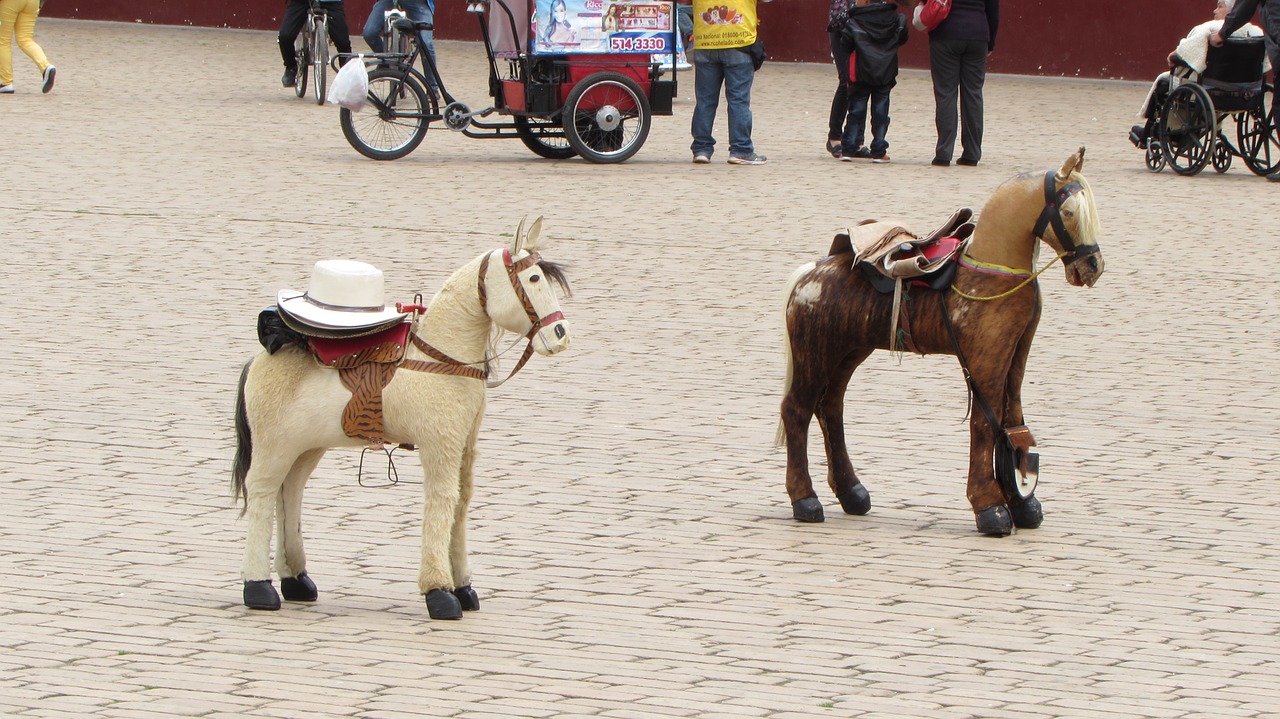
[567, 84]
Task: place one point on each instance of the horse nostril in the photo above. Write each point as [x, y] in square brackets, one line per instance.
[559, 332]
[1093, 264]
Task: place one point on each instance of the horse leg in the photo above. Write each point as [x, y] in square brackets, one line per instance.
[262, 487]
[291, 559]
[841, 476]
[441, 466]
[991, 512]
[797, 411]
[1027, 512]
[461, 566]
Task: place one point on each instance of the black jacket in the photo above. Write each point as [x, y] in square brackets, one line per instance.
[876, 31]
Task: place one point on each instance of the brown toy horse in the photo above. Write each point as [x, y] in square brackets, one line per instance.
[987, 317]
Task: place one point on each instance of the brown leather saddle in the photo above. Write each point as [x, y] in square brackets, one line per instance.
[889, 252]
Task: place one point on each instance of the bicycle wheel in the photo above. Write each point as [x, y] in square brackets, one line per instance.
[320, 57]
[1189, 129]
[545, 137]
[302, 60]
[1259, 139]
[396, 118]
[606, 117]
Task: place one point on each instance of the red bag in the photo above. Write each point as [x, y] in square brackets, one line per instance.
[930, 14]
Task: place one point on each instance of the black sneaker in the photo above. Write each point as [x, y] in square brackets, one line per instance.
[290, 78]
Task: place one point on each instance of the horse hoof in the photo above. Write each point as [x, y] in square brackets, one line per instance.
[299, 588]
[808, 509]
[467, 598]
[995, 521]
[442, 604]
[855, 501]
[1027, 514]
[259, 594]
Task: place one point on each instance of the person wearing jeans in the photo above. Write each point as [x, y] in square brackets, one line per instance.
[720, 60]
[415, 10]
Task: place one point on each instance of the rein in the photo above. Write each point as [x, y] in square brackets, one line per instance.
[444, 364]
[965, 259]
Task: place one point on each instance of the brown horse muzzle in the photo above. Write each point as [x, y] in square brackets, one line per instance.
[1085, 271]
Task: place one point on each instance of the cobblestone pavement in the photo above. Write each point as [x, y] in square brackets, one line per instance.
[632, 542]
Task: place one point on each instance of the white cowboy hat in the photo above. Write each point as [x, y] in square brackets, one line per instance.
[342, 294]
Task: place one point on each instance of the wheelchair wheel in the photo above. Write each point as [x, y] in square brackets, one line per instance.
[1221, 155]
[1155, 156]
[1256, 131]
[1189, 129]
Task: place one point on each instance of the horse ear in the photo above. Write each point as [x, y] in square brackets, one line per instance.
[1075, 163]
[518, 242]
[535, 231]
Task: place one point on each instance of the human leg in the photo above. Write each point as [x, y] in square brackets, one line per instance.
[855, 126]
[339, 31]
[295, 15]
[8, 20]
[25, 29]
[708, 77]
[879, 122]
[944, 69]
[973, 73]
[418, 11]
[840, 54]
[372, 32]
[739, 74]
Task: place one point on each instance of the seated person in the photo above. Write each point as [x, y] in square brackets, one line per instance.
[1187, 61]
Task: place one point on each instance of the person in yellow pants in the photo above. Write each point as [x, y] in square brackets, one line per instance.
[19, 17]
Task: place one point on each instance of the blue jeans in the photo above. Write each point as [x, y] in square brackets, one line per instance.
[732, 70]
[415, 10]
[860, 95]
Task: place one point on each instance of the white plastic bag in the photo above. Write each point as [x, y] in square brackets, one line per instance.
[350, 89]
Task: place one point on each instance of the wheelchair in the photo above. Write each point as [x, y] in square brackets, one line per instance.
[1187, 132]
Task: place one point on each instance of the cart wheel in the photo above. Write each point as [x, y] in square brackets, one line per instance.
[1259, 143]
[545, 137]
[302, 58]
[394, 121]
[1221, 155]
[1155, 155]
[1189, 129]
[607, 117]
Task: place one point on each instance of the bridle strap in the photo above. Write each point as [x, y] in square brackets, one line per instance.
[443, 364]
[1051, 215]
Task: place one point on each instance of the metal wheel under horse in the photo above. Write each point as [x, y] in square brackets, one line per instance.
[341, 369]
[973, 294]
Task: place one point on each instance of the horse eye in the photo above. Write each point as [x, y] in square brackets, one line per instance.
[535, 278]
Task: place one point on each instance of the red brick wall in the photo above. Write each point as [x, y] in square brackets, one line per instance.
[1073, 38]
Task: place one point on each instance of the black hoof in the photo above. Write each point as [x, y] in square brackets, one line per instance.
[995, 521]
[299, 588]
[855, 501]
[1027, 514]
[467, 598]
[261, 595]
[807, 510]
[441, 604]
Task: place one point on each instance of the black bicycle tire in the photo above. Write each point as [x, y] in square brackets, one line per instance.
[395, 78]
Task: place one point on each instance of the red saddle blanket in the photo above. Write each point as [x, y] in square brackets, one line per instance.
[332, 351]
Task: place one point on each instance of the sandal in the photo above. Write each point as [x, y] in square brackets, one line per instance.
[833, 147]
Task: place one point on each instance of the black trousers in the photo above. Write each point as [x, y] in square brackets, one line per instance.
[295, 16]
[958, 68]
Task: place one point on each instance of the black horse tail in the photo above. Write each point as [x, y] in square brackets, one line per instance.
[244, 443]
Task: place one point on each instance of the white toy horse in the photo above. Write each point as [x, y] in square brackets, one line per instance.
[288, 413]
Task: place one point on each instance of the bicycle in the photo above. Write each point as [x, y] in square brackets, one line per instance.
[394, 41]
[311, 51]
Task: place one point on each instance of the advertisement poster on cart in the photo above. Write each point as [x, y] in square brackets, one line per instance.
[603, 27]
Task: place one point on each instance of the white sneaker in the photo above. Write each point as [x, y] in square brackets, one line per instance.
[701, 159]
[49, 73]
[6, 89]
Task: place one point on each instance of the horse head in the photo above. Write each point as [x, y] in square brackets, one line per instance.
[521, 297]
[1069, 222]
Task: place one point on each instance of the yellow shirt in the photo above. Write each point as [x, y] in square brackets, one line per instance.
[724, 24]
